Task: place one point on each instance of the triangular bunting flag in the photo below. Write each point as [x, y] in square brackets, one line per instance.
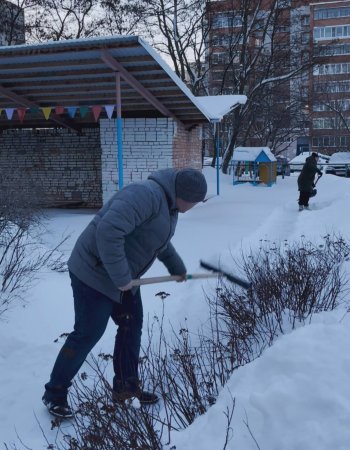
[46, 111]
[71, 111]
[21, 112]
[83, 111]
[9, 112]
[34, 110]
[109, 110]
[96, 111]
[59, 110]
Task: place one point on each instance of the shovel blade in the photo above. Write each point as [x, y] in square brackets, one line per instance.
[231, 277]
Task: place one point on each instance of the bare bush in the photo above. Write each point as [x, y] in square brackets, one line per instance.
[21, 199]
[302, 278]
[22, 256]
[22, 253]
[101, 424]
[187, 377]
[290, 282]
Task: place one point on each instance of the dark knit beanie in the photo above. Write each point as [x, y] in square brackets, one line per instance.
[190, 185]
[315, 155]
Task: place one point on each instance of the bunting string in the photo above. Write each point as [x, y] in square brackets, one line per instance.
[70, 111]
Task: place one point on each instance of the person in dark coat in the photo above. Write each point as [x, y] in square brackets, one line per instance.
[118, 246]
[306, 180]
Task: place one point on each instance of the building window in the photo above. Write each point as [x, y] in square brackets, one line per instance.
[226, 41]
[332, 69]
[331, 13]
[235, 21]
[220, 21]
[333, 50]
[226, 21]
[331, 141]
[220, 58]
[220, 41]
[283, 4]
[335, 32]
[333, 105]
[333, 86]
[217, 75]
[305, 21]
[305, 38]
[331, 123]
[283, 28]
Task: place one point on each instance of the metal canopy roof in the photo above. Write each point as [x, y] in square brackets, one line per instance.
[82, 73]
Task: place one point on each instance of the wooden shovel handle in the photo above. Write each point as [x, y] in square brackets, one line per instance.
[163, 279]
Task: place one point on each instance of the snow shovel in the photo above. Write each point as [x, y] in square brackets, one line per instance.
[165, 278]
[233, 278]
[314, 191]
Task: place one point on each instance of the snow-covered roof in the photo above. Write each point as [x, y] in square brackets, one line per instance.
[217, 106]
[251, 153]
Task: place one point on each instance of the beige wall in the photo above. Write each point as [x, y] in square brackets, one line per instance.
[187, 147]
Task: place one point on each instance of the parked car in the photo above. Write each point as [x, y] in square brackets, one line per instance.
[296, 164]
[339, 164]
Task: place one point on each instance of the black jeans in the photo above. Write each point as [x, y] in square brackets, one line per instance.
[304, 198]
[92, 312]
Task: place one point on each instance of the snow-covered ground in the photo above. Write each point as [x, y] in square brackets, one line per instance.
[296, 396]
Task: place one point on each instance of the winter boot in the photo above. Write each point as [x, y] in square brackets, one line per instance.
[127, 390]
[301, 207]
[58, 408]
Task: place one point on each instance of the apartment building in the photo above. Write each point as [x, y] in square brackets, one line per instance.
[11, 24]
[319, 29]
[245, 46]
[330, 83]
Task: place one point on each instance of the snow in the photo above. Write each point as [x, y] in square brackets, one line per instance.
[340, 157]
[251, 153]
[217, 106]
[302, 157]
[295, 396]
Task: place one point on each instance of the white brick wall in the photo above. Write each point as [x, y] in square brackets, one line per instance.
[147, 146]
[84, 167]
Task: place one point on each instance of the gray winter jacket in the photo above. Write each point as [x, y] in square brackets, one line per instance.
[127, 234]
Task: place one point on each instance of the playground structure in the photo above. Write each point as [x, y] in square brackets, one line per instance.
[255, 165]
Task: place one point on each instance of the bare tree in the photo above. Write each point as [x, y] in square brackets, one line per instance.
[282, 116]
[122, 16]
[12, 20]
[177, 29]
[259, 58]
[63, 19]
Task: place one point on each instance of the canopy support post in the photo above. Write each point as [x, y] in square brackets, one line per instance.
[119, 126]
[217, 153]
